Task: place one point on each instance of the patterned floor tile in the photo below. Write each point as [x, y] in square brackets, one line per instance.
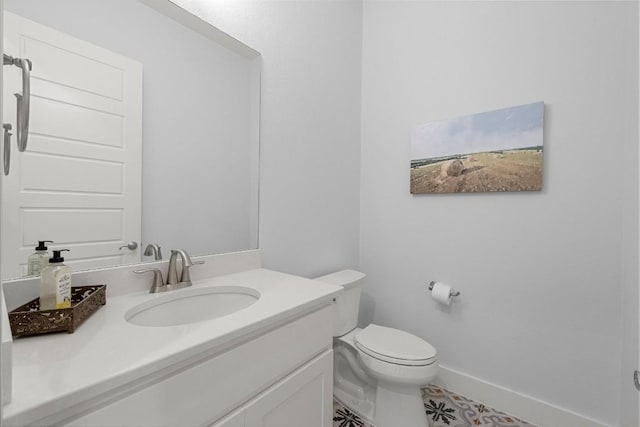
[444, 409]
[447, 409]
[343, 417]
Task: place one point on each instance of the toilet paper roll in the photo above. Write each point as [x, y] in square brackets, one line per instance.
[442, 293]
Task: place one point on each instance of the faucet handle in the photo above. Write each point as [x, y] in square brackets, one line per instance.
[158, 281]
[186, 277]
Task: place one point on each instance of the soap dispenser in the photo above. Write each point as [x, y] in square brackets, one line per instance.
[55, 283]
[39, 259]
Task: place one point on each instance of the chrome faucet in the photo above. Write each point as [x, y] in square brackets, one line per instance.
[155, 250]
[172, 275]
[185, 277]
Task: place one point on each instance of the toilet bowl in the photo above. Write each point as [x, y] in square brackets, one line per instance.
[378, 371]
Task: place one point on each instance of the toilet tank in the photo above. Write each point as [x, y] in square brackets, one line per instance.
[346, 306]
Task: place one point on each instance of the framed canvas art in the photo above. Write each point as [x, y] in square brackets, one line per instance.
[499, 150]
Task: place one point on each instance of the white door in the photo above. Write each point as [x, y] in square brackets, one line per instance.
[79, 182]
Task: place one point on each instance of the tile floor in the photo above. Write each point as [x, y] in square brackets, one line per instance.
[444, 409]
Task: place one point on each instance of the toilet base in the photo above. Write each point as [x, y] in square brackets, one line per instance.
[363, 406]
[387, 394]
[399, 406]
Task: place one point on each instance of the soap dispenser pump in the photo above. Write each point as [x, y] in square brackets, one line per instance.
[55, 283]
[39, 259]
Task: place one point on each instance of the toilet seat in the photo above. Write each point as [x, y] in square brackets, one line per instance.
[394, 346]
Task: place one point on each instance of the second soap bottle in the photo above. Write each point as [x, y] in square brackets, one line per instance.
[39, 259]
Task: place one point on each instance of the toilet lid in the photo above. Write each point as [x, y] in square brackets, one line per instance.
[395, 346]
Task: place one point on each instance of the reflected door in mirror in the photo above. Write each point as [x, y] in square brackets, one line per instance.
[79, 182]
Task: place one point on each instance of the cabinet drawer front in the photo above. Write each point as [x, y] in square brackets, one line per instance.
[205, 392]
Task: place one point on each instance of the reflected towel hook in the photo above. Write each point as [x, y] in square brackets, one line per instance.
[23, 100]
[7, 147]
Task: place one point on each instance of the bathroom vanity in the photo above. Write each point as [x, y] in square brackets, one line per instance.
[268, 364]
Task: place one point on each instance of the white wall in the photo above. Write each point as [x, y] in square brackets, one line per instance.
[196, 120]
[542, 275]
[310, 126]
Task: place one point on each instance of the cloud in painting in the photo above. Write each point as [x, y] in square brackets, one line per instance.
[508, 128]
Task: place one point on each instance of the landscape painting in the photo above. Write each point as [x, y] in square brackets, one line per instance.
[499, 150]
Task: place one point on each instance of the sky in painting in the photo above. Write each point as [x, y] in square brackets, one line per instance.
[508, 128]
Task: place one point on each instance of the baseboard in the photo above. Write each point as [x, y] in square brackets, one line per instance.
[513, 403]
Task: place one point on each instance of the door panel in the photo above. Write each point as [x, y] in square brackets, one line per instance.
[79, 182]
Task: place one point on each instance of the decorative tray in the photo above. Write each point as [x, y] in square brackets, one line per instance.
[28, 319]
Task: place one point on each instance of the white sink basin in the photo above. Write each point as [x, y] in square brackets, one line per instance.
[192, 305]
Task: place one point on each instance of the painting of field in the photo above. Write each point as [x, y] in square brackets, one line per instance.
[516, 170]
[500, 150]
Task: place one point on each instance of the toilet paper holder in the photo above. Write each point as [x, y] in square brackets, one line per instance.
[453, 293]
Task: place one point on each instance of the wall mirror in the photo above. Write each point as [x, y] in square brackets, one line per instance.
[143, 128]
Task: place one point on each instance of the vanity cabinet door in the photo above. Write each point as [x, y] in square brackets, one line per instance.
[303, 398]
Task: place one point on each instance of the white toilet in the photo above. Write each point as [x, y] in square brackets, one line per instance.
[378, 371]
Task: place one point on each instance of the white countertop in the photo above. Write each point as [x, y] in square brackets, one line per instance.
[56, 371]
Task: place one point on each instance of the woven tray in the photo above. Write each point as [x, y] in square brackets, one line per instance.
[29, 320]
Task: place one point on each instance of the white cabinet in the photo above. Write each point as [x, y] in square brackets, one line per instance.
[278, 378]
[302, 398]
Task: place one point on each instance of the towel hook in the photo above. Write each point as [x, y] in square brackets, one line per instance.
[23, 100]
[7, 147]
